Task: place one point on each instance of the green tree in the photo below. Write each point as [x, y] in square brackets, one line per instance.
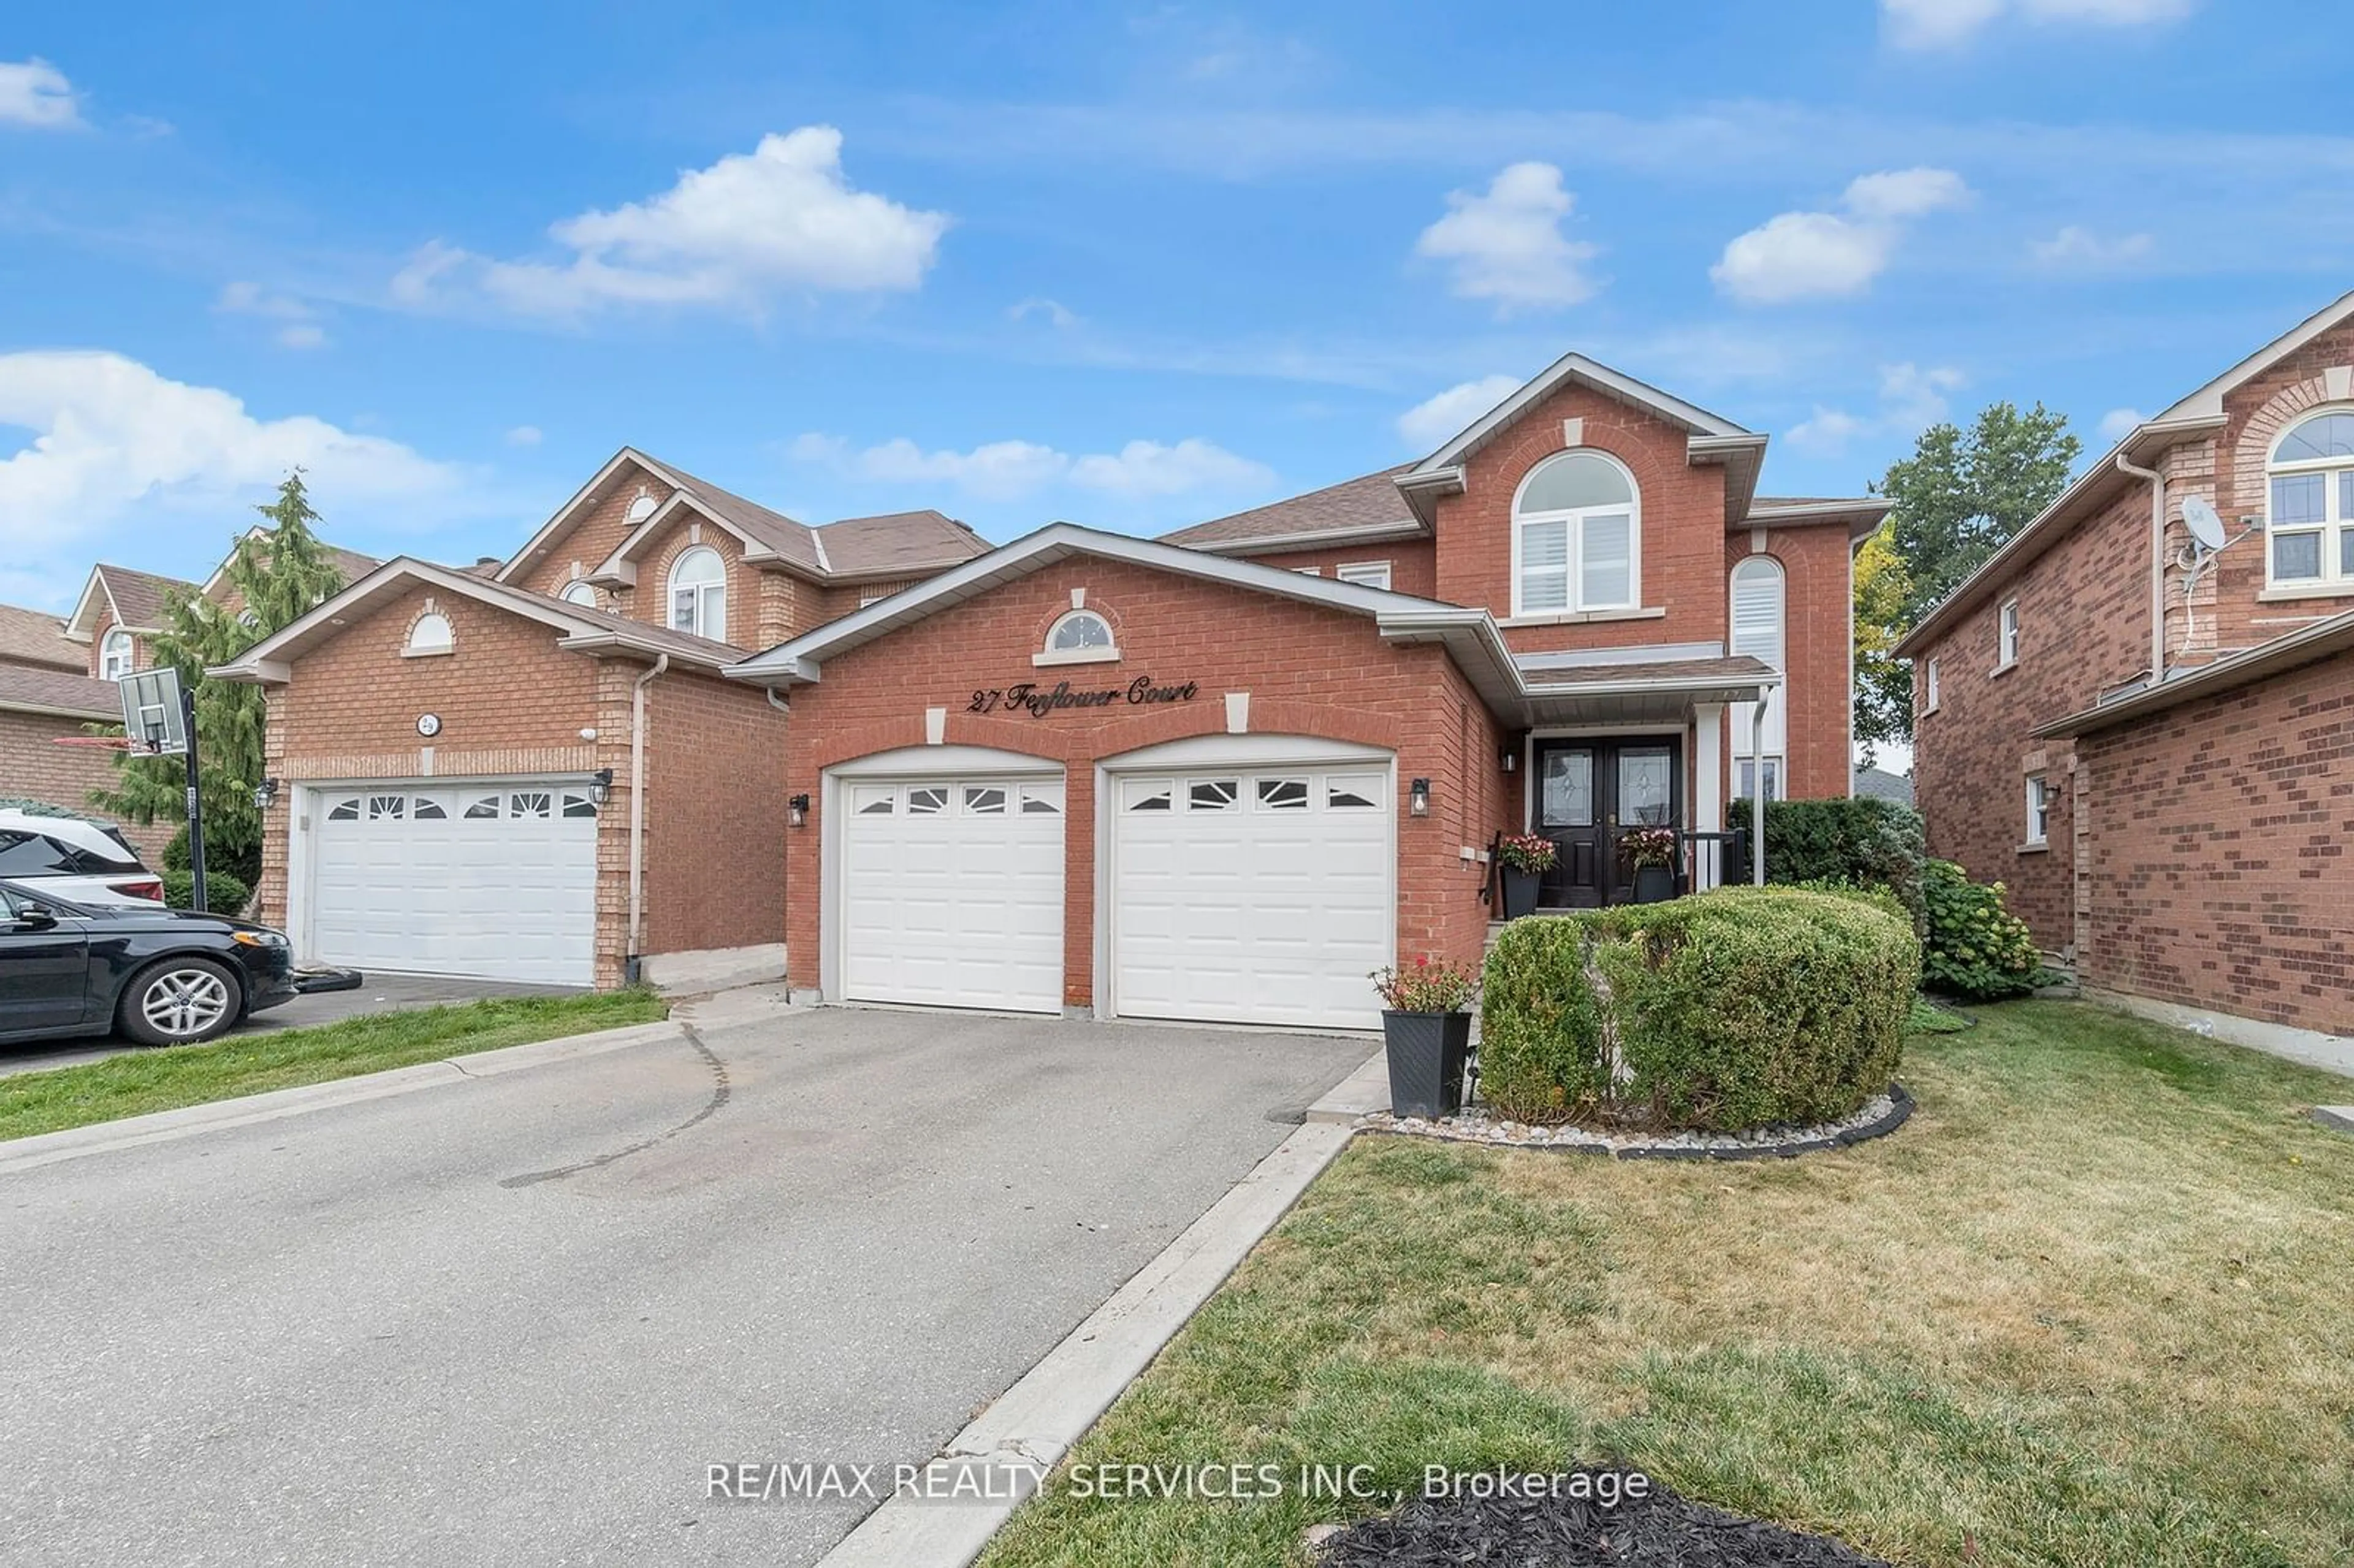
[273, 576]
[1958, 499]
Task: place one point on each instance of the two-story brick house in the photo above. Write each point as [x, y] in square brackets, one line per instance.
[2151, 742]
[532, 769]
[47, 694]
[1224, 775]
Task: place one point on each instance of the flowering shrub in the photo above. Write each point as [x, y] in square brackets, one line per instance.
[1422, 986]
[1526, 852]
[1648, 846]
[1977, 951]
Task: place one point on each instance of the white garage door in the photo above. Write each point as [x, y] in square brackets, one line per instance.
[1253, 895]
[497, 880]
[952, 891]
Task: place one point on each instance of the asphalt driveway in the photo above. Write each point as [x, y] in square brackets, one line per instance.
[513, 1319]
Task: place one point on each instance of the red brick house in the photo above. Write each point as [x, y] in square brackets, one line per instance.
[2151, 742]
[1224, 775]
[47, 694]
[535, 772]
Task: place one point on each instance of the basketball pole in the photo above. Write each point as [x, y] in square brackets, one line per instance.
[196, 803]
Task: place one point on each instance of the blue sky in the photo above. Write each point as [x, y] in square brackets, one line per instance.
[1130, 267]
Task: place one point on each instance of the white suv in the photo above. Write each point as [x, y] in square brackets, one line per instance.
[80, 861]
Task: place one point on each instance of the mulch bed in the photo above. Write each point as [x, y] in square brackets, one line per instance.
[1659, 1530]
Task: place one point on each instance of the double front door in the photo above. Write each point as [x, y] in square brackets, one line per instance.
[1587, 792]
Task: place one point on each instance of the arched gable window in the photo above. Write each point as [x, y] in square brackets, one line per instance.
[114, 655]
[430, 634]
[1078, 637]
[1576, 536]
[2309, 511]
[578, 591]
[698, 594]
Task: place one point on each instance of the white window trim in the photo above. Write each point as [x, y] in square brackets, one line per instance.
[1929, 692]
[1365, 574]
[2038, 799]
[412, 649]
[1781, 786]
[670, 586]
[582, 587]
[1753, 563]
[2337, 522]
[2009, 626]
[1051, 655]
[107, 650]
[1576, 518]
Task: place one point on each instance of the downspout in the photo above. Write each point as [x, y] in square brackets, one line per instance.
[2157, 563]
[638, 815]
[1757, 787]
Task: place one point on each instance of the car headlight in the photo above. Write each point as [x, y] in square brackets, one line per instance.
[257, 938]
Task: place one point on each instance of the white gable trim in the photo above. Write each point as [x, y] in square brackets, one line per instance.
[2207, 403]
[556, 526]
[81, 625]
[618, 570]
[1576, 367]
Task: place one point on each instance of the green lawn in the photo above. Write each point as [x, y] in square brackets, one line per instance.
[2094, 1305]
[143, 1081]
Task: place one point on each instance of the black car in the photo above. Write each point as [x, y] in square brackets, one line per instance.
[162, 977]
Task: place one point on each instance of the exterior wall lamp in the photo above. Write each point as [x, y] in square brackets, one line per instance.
[265, 794]
[797, 811]
[1509, 759]
[1417, 799]
[601, 786]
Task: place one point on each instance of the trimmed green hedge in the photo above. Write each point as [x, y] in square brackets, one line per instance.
[1864, 842]
[224, 892]
[1740, 1008]
[1977, 951]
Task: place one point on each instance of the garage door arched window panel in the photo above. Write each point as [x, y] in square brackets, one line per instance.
[928, 802]
[698, 594]
[1353, 792]
[2309, 503]
[874, 800]
[1148, 794]
[426, 808]
[1576, 536]
[482, 806]
[1042, 800]
[431, 633]
[114, 655]
[530, 804]
[1283, 794]
[1078, 637]
[984, 800]
[385, 808]
[347, 809]
[578, 805]
[1213, 794]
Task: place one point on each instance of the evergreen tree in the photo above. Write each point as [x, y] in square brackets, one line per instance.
[274, 575]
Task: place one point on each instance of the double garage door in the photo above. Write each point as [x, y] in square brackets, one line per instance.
[493, 880]
[1248, 894]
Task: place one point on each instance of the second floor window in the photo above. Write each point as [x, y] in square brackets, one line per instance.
[2310, 511]
[1929, 684]
[1757, 610]
[698, 594]
[114, 655]
[2006, 650]
[1576, 536]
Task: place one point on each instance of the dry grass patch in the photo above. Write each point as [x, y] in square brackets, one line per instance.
[2091, 1306]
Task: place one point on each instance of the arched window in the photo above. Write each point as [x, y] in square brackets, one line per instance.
[643, 507]
[2309, 518]
[430, 634]
[578, 591]
[114, 654]
[1078, 637]
[698, 594]
[1576, 536]
[1757, 619]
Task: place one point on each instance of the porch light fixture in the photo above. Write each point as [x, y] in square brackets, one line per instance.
[601, 786]
[1417, 799]
[1509, 759]
[797, 811]
[265, 794]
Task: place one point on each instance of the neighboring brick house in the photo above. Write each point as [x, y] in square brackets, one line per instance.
[2147, 740]
[116, 617]
[533, 772]
[1224, 775]
[47, 695]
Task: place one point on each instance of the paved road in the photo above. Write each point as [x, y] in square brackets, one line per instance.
[511, 1320]
[382, 994]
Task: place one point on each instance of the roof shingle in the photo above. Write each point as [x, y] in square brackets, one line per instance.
[139, 596]
[23, 686]
[1369, 501]
[36, 637]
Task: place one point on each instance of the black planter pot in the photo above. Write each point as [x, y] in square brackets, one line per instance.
[1654, 883]
[1428, 1052]
[1521, 892]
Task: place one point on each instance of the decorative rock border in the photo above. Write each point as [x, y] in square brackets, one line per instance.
[1879, 1116]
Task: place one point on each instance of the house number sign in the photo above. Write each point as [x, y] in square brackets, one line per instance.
[1038, 702]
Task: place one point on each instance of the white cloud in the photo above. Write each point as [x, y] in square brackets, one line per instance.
[2118, 423]
[302, 335]
[110, 434]
[1003, 470]
[36, 93]
[1056, 314]
[1912, 398]
[523, 436]
[298, 326]
[1802, 255]
[1434, 420]
[2077, 248]
[1946, 24]
[1507, 245]
[778, 219]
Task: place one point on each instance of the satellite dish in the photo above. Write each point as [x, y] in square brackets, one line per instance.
[2198, 517]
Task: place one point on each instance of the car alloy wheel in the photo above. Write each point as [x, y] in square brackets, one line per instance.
[184, 1003]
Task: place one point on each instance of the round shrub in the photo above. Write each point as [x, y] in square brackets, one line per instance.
[1743, 1008]
[1862, 843]
[225, 893]
[1977, 951]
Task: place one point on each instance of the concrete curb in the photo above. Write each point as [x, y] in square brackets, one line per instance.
[162, 1126]
[1360, 1093]
[2339, 1117]
[1038, 1420]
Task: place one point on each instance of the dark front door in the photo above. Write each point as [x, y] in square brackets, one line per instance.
[1587, 791]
